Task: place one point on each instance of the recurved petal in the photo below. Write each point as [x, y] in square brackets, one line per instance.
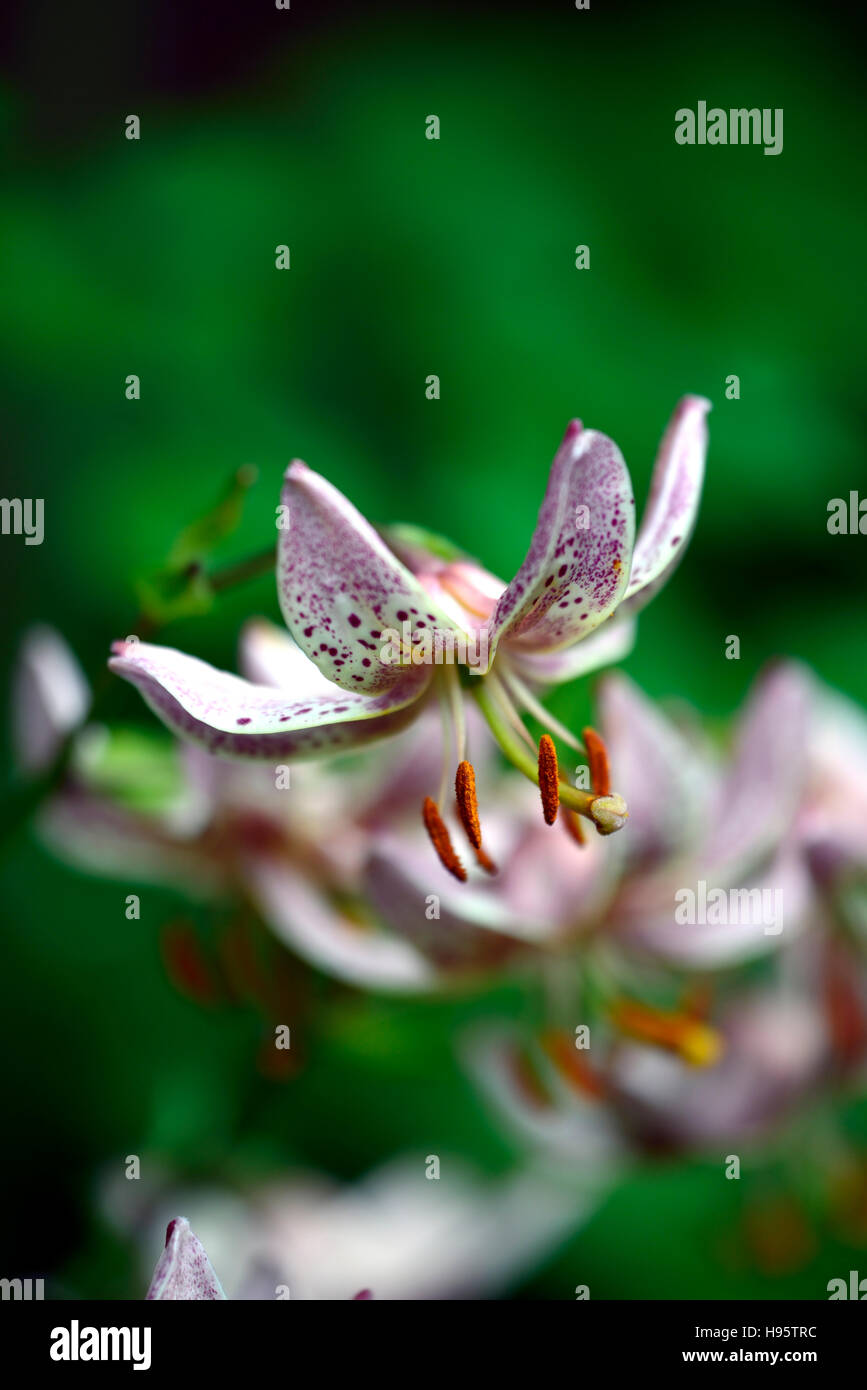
[577, 568]
[267, 655]
[728, 922]
[234, 718]
[610, 643]
[183, 1270]
[555, 1121]
[666, 780]
[759, 797]
[96, 834]
[672, 503]
[308, 922]
[50, 697]
[461, 928]
[341, 589]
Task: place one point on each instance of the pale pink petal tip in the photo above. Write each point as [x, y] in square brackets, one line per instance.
[183, 1270]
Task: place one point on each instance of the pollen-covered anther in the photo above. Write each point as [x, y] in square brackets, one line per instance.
[468, 805]
[600, 775]
[549, 778]
[609, 813]
[570, 1063]
[441, 840]
[468, 810]
[691, 1039]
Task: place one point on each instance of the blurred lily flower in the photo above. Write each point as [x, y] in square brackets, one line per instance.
[184, 1271]
[378, 628]
[395, 1233]
[324, 859]
[766, 1051]
[714, 869]
[764, 821]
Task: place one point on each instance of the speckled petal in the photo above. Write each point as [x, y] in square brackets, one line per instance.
[672, 503]
[183, 1270]
[233, 718]
[574, 575]
[341, 588]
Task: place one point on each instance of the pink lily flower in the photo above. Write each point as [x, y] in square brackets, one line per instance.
[378, 629]
[737, 825]
[228, 832]
[710, 830]
[676, 1082]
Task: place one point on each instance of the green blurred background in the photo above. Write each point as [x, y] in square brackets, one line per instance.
[408, 257]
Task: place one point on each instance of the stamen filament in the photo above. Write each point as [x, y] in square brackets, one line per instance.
[533, 706]
[612, 808]
[456, 701]
[447, 737]
[501, 696]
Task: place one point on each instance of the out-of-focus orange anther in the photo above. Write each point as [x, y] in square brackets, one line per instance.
[597, 753]
[441, 840]
[468, 810]
[571, 1063]
[572, 822]
[691, 1039]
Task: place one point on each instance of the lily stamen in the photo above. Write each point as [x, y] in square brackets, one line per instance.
[525, 697]
[691, 1039]
[549, 779]
[597, 753]
[571, 1064]
[468, 810]
[608, 813]
[441, 840]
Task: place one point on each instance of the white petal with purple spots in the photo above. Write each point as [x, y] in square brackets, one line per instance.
[577, 568]
[233, 718]
[341, 589]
